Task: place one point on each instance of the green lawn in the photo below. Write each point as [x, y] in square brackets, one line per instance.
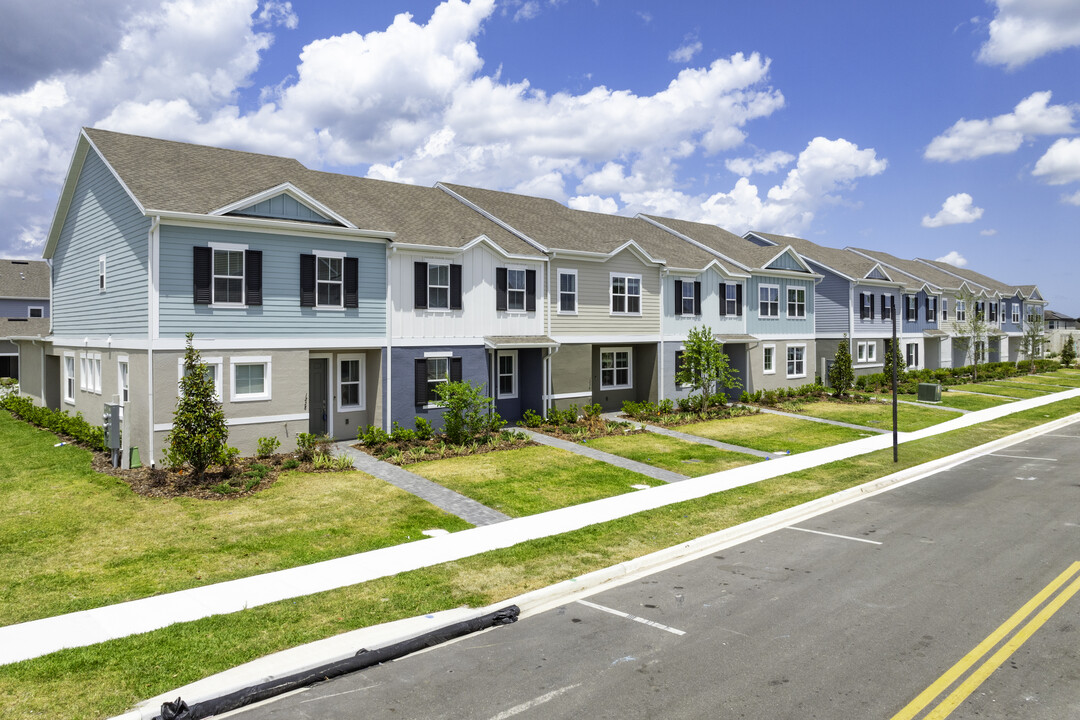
[878, 415]
[962, 401]
[72, 539]
[106, 679]
[1050, 383]
[774, 433]
[693, 459]
[531, 480]
[1006, 390]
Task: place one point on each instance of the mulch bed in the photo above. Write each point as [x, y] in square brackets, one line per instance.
[163, 483]
[560, 431]
[437, 449]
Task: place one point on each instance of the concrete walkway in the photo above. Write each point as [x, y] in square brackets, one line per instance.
[989, 395]
[940, 406]
[617, 417]
[40, 637]
[824, 421]
[617, 460]
[443, 498]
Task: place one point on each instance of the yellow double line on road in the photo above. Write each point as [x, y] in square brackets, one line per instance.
[957, 696]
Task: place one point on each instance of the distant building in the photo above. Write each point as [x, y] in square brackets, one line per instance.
[24, 308]
[1059, 327]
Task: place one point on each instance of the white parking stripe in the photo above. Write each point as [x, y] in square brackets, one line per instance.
[1022, 457]
[842, 537]
[635, 618]
[533, 703]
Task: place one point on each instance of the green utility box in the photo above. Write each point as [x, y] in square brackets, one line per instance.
[929, 392]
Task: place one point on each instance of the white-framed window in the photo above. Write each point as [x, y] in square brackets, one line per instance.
[69, 377]
[866, 305]
[35, 311]
[961, 311]
[568, 292]
[1016, 313]
[95, 370]
[860, 355]
[438, 372]
[615, 369]
[625, 294]
[101, 273]
[438, 287]
[506, 361]
[768, 301]
[351, 383]
[796, 361]
[687, 300]
[250, 378]
[796, 302]
[911, 308]
[515, 289]
[768, 359]
[123, 378]
[228, 269]
[931, 311]
[871, 351]
[944, 309]
[912, 355]
[329, 279]
[90, 372]
[731, 299]
[213, 368]
[84, 372]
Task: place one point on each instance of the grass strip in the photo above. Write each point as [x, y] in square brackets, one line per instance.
[878, 415]
[1006, 390]
[962, 402]
[531, 480]
[774, 433]
[106, 679]
[691, 459]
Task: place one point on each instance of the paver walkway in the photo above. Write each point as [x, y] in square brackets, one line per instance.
[617, 460]
[443, 498]
[823, 420]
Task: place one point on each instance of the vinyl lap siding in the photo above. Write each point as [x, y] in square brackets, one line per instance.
[782, 325]
[876, 326]
[280, 315]
[102, 219]
[831, 311]
[594, 298]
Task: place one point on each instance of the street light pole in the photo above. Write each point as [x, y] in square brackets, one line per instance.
[895, 350]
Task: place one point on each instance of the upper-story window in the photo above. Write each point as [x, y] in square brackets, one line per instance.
[796, 302]
[931, 308]
[961, 311]
[944, 309]
[866, 305]
[35, 311]
[625, 294]
[437, 286]
[228, 277]
[101, 273]
[910, 308]
[515, 289]
[568, 291]
[686, 301]
[1016, 313]
[730, 299]
[687, 297]
[768, 301]
[329, 281]
[888, 306]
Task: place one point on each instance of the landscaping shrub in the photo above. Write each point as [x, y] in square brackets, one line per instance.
[199, 434]
[469, 412]
[306, 446]
[58, 421]
[424, 431]
[372, 436]
[267, 446]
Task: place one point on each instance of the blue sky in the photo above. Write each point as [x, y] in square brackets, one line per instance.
[930, 129]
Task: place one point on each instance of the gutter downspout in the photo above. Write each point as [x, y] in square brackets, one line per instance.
[151, 264]
[387, 384]
[548, 382]
[660, 361]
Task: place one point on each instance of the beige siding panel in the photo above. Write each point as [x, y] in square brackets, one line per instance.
[594, 315]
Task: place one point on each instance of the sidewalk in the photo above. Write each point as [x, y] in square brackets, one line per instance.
[39, 637]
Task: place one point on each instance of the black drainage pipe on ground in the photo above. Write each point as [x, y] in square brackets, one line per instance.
[179, 710]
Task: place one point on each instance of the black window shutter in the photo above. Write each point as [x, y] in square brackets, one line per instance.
[253, 277]
[455, 368]
[420, 285]
[352, 282]
[420, 372]
[530, 290]
[723, 299]
[738, 299]
[307, 281]
[500, 288]
[872, 311]
[455, 287]
[201, 271]
[927, 304]
[863, 312]
[678, 297]
[697, 298]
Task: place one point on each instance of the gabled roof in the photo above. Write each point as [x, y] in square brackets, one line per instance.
[1051, 315]
[937, 279]
[851, 265]
[985, 281]
[728, 245]
[175, 177]
[556, 228]
[24, 279]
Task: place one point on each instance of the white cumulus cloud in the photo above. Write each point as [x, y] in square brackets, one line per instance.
[764, 164]
[686, 52]
[970, 139]
[1072, 199]
[594, 203]
[1023, 30]
[953, 258]
[989, 232]
[1060, 164]
[956, 210]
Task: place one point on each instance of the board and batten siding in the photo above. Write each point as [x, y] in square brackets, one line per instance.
[786, 262]
[594, 315]
[280, 315]
[710, 305]
[477, 316]
[781, 325]
[283, 207]
[101, 220]
[831, 302]
[921, 322]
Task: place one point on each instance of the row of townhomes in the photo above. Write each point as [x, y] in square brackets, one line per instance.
[324, 303]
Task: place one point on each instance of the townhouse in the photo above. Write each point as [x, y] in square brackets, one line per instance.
[24, 309]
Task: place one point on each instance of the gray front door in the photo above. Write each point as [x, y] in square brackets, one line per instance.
[318, 405]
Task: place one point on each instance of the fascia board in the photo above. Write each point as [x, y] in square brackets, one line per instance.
[289, 189]
[169, 217]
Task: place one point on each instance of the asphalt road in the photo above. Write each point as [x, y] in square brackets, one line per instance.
[853, 614]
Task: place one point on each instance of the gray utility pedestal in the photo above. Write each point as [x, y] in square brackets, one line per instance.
[929, 392]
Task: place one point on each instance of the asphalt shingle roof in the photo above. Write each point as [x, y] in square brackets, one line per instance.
[917, 269]
[24, 279]
[980, 279]
[726, 243]
[845, 261]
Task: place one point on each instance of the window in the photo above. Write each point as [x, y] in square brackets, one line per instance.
[228, 277]
[90, 372]
[431, 371]
[931, 309]
[961, 311]
[515, 289]
[95, 369]
[796, 361]
[625, 294]
[329, 281]
[866, 305]
[796, 302]
[730, 299]
[911, 308]
[35, 312]
[438, 286]
[686, 299]
[213, 369]
[912, 354]
[615, 369]
[122, 379]
[438, 372]
[860, 355]
[250, 379]
[350, 382]
[69, 377]
[507, 379]
[101, 273]
[768, 301]
[568, 291]
[84, 372]
[888, 306]
[1016, 313]
[871, 351]
[768, 359]
[944, 309]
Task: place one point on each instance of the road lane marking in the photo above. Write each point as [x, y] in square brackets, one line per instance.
[842, 537]
[952, 674]
[1074, 437]
[1022, 457]
[533, 703]
[635, 618]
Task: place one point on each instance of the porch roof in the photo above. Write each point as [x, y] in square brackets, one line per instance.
[935, 333]
[510, 342]
[735, 338]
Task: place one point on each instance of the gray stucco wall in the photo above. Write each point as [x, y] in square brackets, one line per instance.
[759, 380]
[571, 370]
[643, 369]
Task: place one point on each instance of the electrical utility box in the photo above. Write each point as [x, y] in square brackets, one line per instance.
[111, 424]
[929, 392]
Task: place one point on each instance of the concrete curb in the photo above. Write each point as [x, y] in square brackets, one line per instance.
[538, 601]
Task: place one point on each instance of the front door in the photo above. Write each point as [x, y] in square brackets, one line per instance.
[318, 405]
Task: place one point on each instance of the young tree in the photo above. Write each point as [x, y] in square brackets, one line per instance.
[469, 412]
[894, 357]
[199, 433]
[841, 375]
[971, 331]
[705, 365]
[1032, 341]
[1068, 351]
